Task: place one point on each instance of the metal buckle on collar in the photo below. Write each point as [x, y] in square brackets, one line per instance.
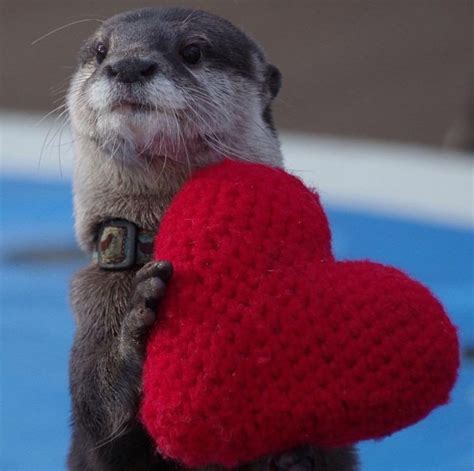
[116, 245]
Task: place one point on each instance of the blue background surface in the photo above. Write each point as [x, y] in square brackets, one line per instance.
[37, 328]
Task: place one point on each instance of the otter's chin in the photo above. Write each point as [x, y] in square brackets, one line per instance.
[144, 133]
[125, 119]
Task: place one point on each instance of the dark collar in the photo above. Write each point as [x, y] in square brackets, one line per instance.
[121, 245]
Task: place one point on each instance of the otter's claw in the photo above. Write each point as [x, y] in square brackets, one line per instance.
[162, 269]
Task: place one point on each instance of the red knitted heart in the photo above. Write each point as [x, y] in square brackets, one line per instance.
[264, 342]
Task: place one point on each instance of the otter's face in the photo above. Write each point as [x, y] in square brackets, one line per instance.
[171, 82]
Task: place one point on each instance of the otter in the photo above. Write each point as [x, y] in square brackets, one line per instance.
[158, 93]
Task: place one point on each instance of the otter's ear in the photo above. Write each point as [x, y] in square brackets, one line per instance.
[273, 80]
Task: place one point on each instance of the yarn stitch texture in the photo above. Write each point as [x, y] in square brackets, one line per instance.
[265, 342]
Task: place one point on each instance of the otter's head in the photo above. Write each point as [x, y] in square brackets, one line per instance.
[176, 83]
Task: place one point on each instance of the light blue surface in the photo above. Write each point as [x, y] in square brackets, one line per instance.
[37, 329]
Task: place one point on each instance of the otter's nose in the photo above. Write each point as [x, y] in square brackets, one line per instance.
[132, 70]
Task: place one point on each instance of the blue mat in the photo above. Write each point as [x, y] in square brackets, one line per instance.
[37, 328]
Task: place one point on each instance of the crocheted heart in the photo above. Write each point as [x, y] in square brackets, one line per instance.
[264, 342]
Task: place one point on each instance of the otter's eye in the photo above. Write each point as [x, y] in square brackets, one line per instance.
[100, 52]
[191, 54]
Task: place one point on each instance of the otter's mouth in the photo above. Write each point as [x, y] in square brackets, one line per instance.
[135, 107]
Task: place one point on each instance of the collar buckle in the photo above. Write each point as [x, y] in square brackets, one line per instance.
[116, 244]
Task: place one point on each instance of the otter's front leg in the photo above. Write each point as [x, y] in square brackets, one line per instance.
[106, 366]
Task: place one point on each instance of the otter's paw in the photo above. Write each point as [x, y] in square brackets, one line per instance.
[300, 459]
[150, 287]
[315, 459]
